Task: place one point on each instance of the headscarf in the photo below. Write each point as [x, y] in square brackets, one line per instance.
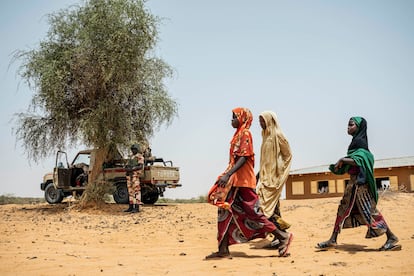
[275, 161]
[359, 152]
[239, 147]
[276, 157]
[241, 144]
[359, 139]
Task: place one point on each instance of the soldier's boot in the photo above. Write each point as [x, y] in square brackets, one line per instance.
[135, 208]
[130, 208]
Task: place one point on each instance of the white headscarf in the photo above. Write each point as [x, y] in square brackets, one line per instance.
[275, 160]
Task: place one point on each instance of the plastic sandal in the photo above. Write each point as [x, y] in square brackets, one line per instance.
[284, 251]
[390, 246]
[325, 245]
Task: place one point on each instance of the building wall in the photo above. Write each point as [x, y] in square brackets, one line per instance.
[309, 185]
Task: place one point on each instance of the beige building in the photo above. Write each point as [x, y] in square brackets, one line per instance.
[396, 174]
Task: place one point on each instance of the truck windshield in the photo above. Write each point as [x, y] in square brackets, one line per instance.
[82, 158]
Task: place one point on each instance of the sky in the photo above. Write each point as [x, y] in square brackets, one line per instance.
[315, 63]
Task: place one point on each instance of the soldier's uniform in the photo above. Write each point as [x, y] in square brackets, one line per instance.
[132, 177]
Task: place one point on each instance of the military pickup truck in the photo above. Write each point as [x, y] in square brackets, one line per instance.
[72, 178]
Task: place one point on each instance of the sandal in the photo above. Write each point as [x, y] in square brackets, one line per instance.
[284, 249]
[390, 245]
[326, 245]
[218, 255]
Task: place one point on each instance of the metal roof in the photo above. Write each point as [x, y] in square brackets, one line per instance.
[378, 164]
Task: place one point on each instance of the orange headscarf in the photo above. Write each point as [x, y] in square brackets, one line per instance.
[242, 142]
[241, 145]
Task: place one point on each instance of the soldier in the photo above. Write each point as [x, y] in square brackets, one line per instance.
[134, 169]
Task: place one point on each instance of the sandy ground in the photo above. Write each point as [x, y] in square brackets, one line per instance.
[173, 239]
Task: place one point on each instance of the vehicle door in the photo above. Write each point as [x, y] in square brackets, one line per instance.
[62, 171]
[80, 168]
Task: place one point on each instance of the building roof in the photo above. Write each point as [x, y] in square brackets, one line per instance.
[378, 164]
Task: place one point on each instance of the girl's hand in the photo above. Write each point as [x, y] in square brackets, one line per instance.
[223, 180]
[339, 164]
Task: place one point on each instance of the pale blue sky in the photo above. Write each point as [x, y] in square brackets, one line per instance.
[315, 63]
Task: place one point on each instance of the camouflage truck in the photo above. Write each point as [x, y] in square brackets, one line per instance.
[72, 178]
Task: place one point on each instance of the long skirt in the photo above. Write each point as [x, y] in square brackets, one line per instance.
[270, 204]
[243, 221]
[358, 207]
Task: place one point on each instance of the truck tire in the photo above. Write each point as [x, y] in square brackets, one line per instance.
[121, 193]
[53, 195]
[149, 194]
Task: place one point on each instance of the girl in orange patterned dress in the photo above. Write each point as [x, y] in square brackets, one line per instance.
[239, 216]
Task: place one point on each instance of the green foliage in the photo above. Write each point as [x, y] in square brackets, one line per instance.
[95, 79]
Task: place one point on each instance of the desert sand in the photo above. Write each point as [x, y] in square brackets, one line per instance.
[173, 239]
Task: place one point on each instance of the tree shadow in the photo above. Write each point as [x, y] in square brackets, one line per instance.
[67, 206]
[49, 209]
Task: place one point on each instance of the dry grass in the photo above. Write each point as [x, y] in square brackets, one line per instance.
[11, 199]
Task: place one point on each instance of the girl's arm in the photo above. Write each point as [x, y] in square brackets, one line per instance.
[225, 177]
[346, 161]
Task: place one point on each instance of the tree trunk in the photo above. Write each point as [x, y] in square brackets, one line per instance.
[97, 167]
[96, 189]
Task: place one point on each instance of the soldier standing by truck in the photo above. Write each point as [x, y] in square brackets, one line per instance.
[134, 169]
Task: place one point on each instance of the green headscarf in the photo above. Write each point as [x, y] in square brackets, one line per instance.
[359, 152]
[357, 120]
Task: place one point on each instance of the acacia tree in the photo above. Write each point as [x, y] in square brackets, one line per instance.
[95, 80]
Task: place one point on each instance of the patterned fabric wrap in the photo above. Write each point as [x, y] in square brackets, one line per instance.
[243, 221]
[358, 207]
[242, 145]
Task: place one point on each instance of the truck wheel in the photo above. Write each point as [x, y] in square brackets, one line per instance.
[121, 193]
[53, 195]
[149, 194]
